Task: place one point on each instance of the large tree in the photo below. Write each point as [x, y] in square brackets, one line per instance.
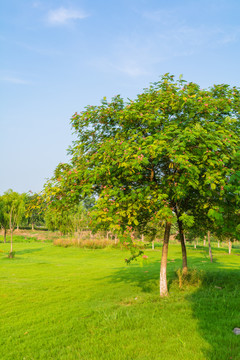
[159, 157]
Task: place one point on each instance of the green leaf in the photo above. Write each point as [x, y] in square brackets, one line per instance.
[213, 186]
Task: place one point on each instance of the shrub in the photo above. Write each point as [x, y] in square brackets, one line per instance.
[192, 278]
[11, 255]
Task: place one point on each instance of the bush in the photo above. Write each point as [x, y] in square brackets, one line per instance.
[191, 278]
[11, 255]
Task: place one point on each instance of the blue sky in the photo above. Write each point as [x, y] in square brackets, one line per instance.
[59, 56]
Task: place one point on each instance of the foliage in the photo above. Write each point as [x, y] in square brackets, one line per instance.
[68, 220]
[4, 218]
[59, 220]
[14, 207]
[174, 149]
[35, 210]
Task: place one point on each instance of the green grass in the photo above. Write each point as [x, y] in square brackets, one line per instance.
[18, 238]
[72, 303]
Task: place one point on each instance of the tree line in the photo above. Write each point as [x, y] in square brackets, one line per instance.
[30, 211]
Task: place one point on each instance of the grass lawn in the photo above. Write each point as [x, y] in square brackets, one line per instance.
[71, 303]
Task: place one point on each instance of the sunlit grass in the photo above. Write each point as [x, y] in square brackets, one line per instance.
[73, 303]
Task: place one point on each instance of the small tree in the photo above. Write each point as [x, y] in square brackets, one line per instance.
[58, 219]
[35, 209]
[14, 211]
[4, 220]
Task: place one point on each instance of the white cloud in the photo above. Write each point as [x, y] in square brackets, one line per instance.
[36, 4]
[139, 54]
[131, 55]
[63, 16]
[38, 50]
[131, 68]
[15, 80]
[165, 17]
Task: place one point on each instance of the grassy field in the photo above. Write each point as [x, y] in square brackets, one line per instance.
[72, 303]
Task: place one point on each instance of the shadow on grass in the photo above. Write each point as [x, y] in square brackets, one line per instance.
[216, 306]
[146, 277]
[214, 300]
[215, 249]
[27, 251]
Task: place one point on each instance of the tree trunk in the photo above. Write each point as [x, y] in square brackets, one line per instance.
[11, 241]
[209, 246]
[11, 231]
[229, 247]
[79, 232]
[204, 241]
[5, 235]
[184, 252]
[153, 245]
[195, 244]
[142, 237]
[32, 226]
[163, 270]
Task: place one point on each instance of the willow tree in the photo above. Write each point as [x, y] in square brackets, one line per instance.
[153, 158]
[4, 220]
[14, 210]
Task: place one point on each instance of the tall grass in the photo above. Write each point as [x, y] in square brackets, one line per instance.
[88, 243]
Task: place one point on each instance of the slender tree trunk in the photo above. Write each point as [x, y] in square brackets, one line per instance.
[142, 237]
[163, 269]
[5, 235]
[195, 244]
[184, 238]
[209, 246]
[153, 245]
[229, 247]
[78, 235]
[11, 231]
[204, 241]
[32, 226]
[11, 241]
[184, 252]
